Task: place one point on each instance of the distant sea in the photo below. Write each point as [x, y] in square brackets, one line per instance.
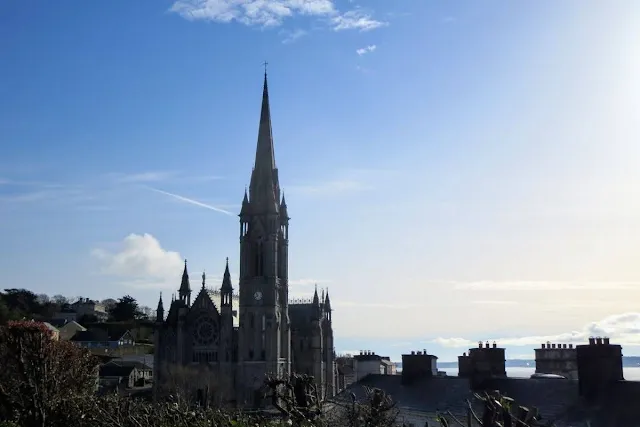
[525, 368]
[630, 374]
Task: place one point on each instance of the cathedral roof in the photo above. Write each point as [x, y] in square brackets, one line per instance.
[214, 295]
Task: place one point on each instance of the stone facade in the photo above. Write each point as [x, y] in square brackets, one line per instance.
[229, 341]
[482, 362]
[559, 359]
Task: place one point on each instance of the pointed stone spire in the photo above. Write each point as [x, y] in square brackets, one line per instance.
[265, 156]
[316, 305]
[264, 189]
[185, 286]
[160, 310]
[246, 207]
[284, 214]
[226, 279]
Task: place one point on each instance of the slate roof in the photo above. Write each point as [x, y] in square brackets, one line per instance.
[141, 366]
[114, 370]
[214, 295]
[557, 400]
[554, 398]
[100, 334]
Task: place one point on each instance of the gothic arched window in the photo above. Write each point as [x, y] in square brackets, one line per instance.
[259, 257]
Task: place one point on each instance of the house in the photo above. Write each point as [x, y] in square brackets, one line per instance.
[117, 376]
[66, 328]
[142, 375]
[110, 338]
[87, 307]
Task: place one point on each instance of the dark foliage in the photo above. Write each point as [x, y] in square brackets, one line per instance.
[39, 374]
[497, 411]
[126, 309]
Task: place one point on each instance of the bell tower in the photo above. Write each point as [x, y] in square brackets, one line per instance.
[264, 337]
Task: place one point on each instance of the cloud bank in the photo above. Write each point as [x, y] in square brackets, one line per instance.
[141, 262]
[623, 329]
[272, 13]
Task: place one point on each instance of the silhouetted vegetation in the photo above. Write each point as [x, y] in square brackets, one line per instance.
[22, 304]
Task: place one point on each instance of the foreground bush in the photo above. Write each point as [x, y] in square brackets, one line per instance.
[40, 375]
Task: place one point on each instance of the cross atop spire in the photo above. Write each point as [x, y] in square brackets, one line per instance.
[265, 63]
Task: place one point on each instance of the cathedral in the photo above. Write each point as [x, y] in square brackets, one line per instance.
[224, 342]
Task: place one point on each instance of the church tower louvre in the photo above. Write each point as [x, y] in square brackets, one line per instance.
[264, 335]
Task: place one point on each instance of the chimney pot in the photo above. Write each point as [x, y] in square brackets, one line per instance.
[553, 346]
[570, 345]
[413, 352]
[487, 344]
[495, 345]
[479, 344]
[543, 347]
[564, 346]
[606, 341]
[464, 354]
[592, 341]
[598, 341]
[424, 351]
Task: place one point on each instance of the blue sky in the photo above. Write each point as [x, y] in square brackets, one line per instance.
[454, 170]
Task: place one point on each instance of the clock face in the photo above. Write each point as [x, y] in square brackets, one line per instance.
[258, 295]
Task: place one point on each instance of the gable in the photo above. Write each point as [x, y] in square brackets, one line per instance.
[204, 304]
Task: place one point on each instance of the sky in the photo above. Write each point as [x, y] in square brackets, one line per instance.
[455, 171]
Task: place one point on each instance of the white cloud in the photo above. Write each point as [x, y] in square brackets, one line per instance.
[270, 13]
[356, 20]
[191, 201]
[140, 261]
[251, 12]
[523, 285]
[623, 329]
[151, 176]
[365, 50]
[291, 36]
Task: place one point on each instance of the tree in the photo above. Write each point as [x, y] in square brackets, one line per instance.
[125, 309]
[87, 319]
[196, 383]
[147, 312]
[39, 375]
[60, 300]
[43, 299]
[108, 304]
[23, 302]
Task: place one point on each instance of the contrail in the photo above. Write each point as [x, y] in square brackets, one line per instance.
[193, 202]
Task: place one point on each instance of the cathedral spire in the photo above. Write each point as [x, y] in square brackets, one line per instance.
[185, 286]
[264, 190]
[226, 279]
[265, 156]
[160, 310]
